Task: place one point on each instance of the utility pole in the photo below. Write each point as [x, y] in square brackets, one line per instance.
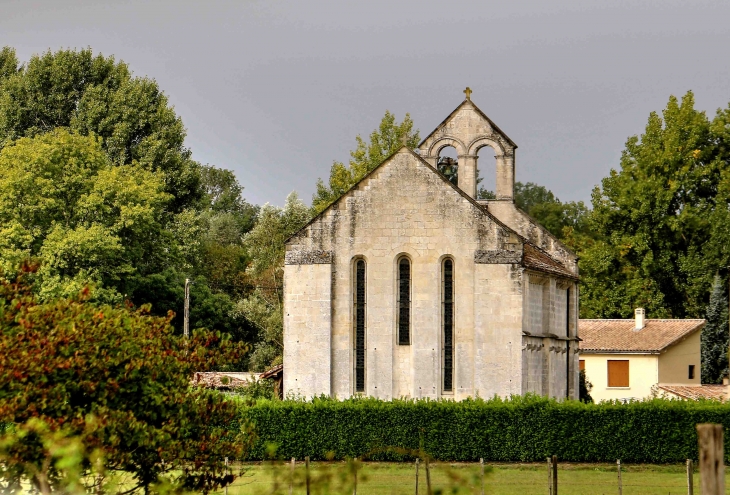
[186, 312]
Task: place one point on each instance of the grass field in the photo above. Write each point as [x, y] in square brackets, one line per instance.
[378, 478]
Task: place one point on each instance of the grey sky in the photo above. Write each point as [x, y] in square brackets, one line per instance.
[277, 90]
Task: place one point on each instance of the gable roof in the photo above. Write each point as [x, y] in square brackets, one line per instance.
[533, 257]
[482, 114]
[405, 149]
[619, 336]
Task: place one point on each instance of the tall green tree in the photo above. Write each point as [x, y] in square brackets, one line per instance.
[384, 141]
[95, 94]
[716, 335]
[63, 203]
[652, 219]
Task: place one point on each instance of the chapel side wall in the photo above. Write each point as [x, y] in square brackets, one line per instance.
[498, 308]
[307, 326]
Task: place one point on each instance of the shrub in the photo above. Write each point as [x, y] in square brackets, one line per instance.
[118, 379]
[520, 429]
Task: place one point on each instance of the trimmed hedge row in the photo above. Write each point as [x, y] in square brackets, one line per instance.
[520, 429]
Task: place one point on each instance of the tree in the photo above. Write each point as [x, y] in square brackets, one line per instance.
[715, 336]
[8, 63]
[119, 380]
[97, 95]
[266, 245]
[63, 203]
[384, 141]
[652, 220]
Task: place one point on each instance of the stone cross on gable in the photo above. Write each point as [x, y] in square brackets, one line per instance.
[467, 92]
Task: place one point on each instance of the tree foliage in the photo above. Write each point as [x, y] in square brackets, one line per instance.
[63, 203]
[384, 141]
[119, 379]
[716, 335]
[98, 95]
[658, 220]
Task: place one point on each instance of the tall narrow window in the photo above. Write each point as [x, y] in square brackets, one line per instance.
[360, 326]
[404, 301]
[448, 324]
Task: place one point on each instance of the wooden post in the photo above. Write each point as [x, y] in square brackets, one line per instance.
[354, 467]
[306, 472]
[481, 464]
[555, 475]
[550, 476]
[226, 463]
[712, 469]
[428, 478]
[620, 483]
[690, 474]
[416, 476]
[291, 475]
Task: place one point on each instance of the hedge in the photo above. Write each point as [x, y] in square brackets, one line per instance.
[519, 429]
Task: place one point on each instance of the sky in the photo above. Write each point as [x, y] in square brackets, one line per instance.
[277, 90]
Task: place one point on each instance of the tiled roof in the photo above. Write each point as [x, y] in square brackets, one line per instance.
[538, 260]
[223, 380]
[274, 372]
[696, 392]
[620, 336]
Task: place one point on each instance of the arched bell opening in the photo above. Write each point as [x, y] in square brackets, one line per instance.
[448, 164]
[486, 181]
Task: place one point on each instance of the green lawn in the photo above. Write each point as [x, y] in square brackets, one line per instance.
[378, 478]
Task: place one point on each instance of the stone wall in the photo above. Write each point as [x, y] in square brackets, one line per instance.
[405, 209]
[307, 328]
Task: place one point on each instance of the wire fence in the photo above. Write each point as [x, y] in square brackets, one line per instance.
[421, 478]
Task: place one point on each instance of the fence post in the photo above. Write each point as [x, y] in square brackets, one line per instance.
[428, 478]
[481, 464]
[291, 475]
[306, 472]
[354, 466]
[555, 475]
[690, 481]
[550, 476]
[620, 483]
[416, 476]
[712, 469]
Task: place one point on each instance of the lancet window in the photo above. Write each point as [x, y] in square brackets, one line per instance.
[360, 301]
[404, 301]
[447, 311]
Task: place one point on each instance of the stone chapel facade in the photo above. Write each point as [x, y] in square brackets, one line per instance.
[408, 286]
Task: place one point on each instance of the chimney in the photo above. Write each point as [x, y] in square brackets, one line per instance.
[640, 318]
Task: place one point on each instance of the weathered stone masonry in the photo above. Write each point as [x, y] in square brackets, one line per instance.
[514, 285]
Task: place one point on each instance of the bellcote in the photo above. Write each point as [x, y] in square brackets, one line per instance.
[468, 130]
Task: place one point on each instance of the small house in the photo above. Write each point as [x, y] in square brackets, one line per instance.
[632, 358]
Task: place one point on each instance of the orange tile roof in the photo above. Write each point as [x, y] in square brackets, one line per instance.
[538, 260]
[619, 335]
[696, 392]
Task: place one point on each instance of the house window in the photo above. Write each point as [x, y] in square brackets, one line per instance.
[448, 323]
[691, 373]
[618, 373]
[404, 301]
[359, 317]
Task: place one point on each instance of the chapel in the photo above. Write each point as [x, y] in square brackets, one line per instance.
[408, 286]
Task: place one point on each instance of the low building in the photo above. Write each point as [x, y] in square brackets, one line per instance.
[693, 392]
[630, 359]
